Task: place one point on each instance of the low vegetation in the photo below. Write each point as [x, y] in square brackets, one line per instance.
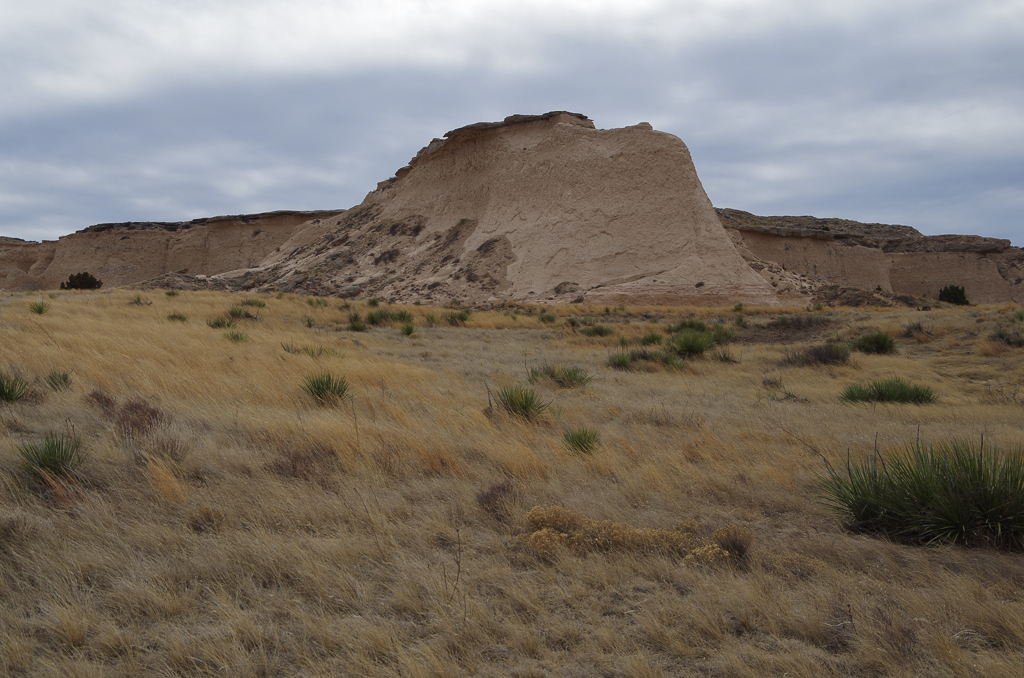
[958, 492]
[894, 390]
[224, 520]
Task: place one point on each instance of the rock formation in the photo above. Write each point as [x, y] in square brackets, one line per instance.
[533, 208]
[122, 254]
[799, 254]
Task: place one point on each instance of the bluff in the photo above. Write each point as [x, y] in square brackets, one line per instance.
[801, 254]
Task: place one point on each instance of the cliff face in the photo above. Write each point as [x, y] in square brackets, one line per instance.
[897, 259]
[535, 207]
[120, 254]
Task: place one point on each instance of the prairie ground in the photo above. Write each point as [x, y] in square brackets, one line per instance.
[225, 522]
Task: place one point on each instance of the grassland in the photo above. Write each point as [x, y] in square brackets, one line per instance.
[224, 521]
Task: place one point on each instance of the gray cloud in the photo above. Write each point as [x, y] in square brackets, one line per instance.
[908, 112]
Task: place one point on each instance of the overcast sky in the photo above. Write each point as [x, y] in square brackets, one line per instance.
[891, 111]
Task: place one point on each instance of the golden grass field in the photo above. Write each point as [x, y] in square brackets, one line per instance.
[224, 523]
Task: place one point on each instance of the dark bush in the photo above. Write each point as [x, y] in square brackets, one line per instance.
[876, 342]
[82, 281]
[957, 492]
[954, 295]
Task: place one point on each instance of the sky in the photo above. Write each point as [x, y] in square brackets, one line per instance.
[907, 111]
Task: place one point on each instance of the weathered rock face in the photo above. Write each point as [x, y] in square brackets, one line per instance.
[120, 254]
[535, 207]
[897, 259]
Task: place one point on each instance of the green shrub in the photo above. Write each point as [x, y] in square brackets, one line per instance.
[651, 338]
[430, 319]
[875, 342]
[309, 321]
[356, 326]
[401, 317]
[692, 343]
[597, 331]
[137, 300]
[957, 492]
[58, 455]
[628, 360]
[13, 387]
[1018, 316]
[171, 293]
[567, 377]
[326, 388]
[408, 329]
[236, 336]
[39, 307]
[722, 334]
[220, 322]
[377, 317]
[177, 317]
[582, 440]
[521, 402]
[546, 317]
[797, 322]
[59, 380]
[81, 281]
[953, 294]
[373, 302]
[1011, 338]
[895, 390]
[683, 325]
[255, 303]
[724, 355]
[457, 318]
[832, 353]
[317, 302]
[738, 308]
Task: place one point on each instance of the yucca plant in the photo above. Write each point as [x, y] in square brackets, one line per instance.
[597, 331]
[582, 440]
[956, 492]
[894, 390]
[59, 380]
[326, 388]
[309, 321]
[521, 402]
[255, 303]
[316, 302]
[220, 322]
[13, 387]
[39, 307]
[236, 336]
[567, 377]
[171, 293]
[58, 455]
[401, 316]
[408, 329]
[692, 343]
[875, 342]
[177, 317]
[651, 338]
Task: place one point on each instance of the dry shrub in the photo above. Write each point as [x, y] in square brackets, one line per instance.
[498, 500]
[734, 540]
[206, 519]
[60, 490]
[554, 527]
[313, 461]
[104, 402]
[165, 482]
[138, 417]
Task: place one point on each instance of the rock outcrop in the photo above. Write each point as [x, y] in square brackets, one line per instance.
[798, 254]
[532, 208]
[126, 253]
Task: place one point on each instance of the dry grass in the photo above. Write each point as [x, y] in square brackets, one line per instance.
[225, 524]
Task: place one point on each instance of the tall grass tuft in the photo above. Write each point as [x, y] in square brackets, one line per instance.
[875, 342]
[326, 388]
[955, 492]
[582, 440]
[521, 402]
[39, 307]
[13, 387]
[236, 336]
[220, 322]
[57, 455]
[692, 343]
[59, 380]
[567, 377]
[895, 390]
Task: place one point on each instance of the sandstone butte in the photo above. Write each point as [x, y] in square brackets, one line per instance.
[533, 208]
